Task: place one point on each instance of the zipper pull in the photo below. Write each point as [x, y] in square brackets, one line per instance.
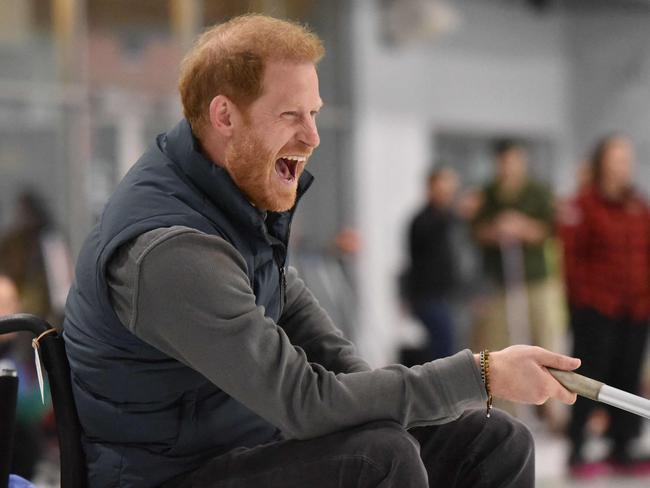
[283, 285]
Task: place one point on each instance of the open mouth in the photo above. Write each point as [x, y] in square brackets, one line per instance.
[287, 167]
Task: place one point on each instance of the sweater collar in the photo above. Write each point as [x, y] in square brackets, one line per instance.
[180, 145]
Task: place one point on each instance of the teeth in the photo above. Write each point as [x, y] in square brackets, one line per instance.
[296, 158]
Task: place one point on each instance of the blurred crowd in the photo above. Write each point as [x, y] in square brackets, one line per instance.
[555, 272]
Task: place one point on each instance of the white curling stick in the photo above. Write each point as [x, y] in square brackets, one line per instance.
[600, 392]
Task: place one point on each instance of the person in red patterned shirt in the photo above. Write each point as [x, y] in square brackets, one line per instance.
[606, 233]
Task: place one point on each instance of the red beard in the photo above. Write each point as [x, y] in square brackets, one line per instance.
[252, 167]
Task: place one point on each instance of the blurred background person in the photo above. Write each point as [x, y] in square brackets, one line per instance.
[9, 301]
[511, 226]
[607, 251]
[30, 411]
[328, 272]
[33, 254]
[430, 278]
[35, 263]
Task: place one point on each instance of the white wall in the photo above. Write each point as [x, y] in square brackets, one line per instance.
[611, 80]
[503, 70]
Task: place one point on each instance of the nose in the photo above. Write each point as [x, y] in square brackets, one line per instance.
[309, 133]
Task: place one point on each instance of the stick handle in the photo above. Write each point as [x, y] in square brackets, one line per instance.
[577, 383]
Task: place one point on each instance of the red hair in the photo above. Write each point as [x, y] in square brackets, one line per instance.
[229, 59]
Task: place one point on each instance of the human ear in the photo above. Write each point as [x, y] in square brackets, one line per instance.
[221, 115]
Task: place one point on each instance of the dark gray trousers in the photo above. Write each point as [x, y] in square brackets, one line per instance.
[471, 452]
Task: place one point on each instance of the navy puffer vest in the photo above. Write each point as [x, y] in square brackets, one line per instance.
[146, 417]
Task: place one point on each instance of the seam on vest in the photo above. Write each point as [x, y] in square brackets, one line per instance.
[121, 469]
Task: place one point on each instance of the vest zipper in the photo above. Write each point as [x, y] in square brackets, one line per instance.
[283, 286]
[283, 275]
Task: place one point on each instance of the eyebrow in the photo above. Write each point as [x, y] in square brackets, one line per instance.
[319, 106]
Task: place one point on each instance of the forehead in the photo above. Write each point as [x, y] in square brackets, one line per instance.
[290, 85]
[620, 144]
[515, 153]
[448, 176]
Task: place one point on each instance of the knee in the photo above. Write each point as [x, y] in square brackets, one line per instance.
[391, 446]
[513, 437]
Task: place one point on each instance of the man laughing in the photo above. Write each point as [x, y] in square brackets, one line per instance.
[199, 359]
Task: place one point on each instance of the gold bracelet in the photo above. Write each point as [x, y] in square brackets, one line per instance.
[484, 357]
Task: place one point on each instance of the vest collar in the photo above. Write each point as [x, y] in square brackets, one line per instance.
[180, 145]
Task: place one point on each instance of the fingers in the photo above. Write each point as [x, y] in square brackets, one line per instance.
[557, 361]
[558, 391]
[564, 395]
[530, 381]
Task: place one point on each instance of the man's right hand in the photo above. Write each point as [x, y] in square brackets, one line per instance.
[519, 374]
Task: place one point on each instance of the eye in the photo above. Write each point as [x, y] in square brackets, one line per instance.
[291, 114]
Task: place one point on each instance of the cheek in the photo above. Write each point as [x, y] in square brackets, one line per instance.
[279, 139]
[617, 167]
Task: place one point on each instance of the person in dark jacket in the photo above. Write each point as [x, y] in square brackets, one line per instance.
[199, 359]
[431, 275]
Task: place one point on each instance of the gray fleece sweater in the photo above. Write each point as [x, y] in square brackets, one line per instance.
[188, 294]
